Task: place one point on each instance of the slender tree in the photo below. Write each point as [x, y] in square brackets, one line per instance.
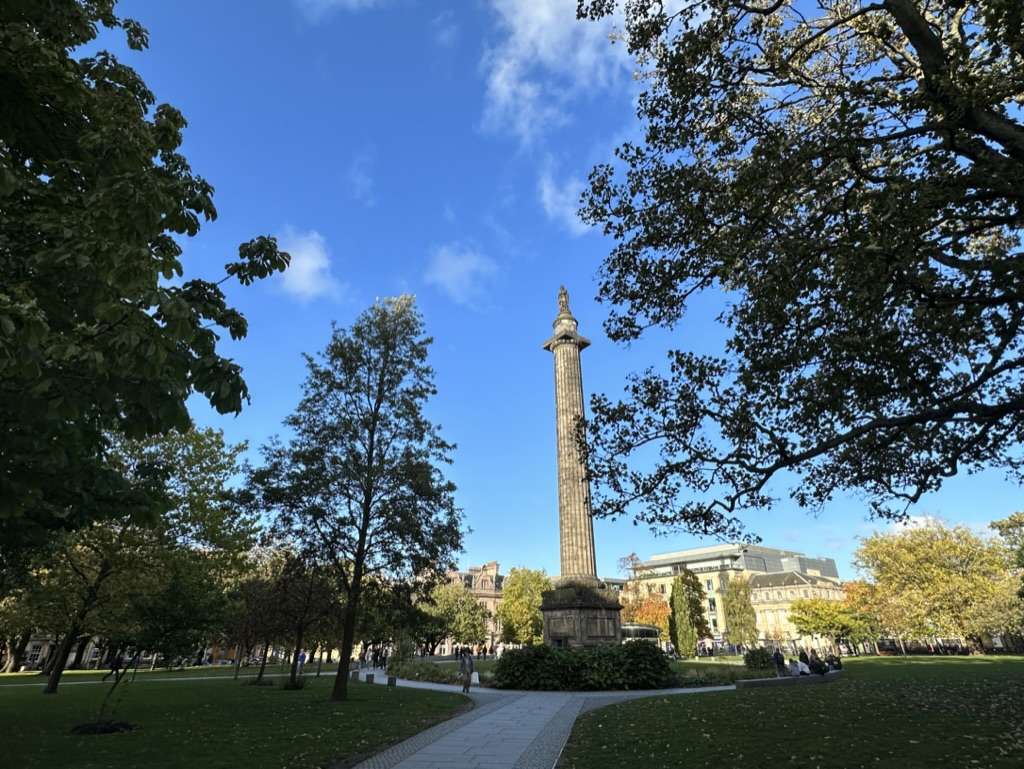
[846, 181]
[687, 624]
[360, 482]
[304, 596]
[740, 617]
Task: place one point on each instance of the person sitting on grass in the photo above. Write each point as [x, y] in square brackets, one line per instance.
[794, 667]
[816, 665]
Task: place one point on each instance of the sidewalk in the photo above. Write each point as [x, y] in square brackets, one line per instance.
[506, 729]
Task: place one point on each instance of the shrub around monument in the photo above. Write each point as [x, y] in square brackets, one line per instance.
[634, 665]
[758, 659]
[418, 670]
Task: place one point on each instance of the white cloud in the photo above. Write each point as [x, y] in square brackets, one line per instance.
[561, 200]
[360, 179]
[461, 271]
[546, 56]
[309, 274]
[918, 522]
[446, 31]
[314, 10]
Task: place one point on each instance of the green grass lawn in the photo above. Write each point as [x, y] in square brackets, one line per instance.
[886, 713]
[699, 673]
[215, 724]
[30, 677]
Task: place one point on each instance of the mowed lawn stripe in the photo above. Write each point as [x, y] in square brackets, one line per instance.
[215, 724]
[923, 712]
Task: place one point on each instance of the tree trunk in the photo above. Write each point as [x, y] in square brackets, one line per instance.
[340, 690]
[263, 660]
[76, 663]
[320, 662]
[238, 659]
[60, 660]
[294, 672]
[903, 648]
[16, 652]
[46, 663]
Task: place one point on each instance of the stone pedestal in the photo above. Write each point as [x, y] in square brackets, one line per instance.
[579, 614]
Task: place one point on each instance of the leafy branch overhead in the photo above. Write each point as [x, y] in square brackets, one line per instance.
[98, 333]
[847, 181]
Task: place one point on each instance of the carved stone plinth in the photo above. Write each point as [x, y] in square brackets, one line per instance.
[581, 614]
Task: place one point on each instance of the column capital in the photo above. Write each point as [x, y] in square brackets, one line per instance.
[565, 326]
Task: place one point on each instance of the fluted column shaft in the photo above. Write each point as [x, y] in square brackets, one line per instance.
[575, 519]
[574, 511]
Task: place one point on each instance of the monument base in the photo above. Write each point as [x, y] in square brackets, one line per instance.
[579, 614]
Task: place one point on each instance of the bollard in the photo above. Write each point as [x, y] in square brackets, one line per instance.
[392, 682]
[369, 678]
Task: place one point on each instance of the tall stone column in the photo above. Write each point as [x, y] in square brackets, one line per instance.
[579, 611]
[576, 526]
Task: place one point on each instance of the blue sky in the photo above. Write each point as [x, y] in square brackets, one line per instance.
[437, 148]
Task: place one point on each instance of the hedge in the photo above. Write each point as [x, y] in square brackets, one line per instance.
[633, 665]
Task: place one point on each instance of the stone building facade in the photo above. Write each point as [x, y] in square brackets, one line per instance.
[777, 578]
[484, 583]
[772, 595]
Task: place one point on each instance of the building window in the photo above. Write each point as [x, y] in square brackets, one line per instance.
[661, 588]
[805, 594]
[714, 624]
[33, 653]
[709, 584]
[711, 605]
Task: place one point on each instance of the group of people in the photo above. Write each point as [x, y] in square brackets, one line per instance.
[482, 651]
[805, 664]
[376, 656]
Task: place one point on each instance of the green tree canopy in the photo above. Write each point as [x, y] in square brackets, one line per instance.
[847, 181]
[462, 616]
[125, 578]
[832, 620]
[1011, 529]
[100, 332]
[934, 581]
[740, 617]
[360, 483]
[519, 610]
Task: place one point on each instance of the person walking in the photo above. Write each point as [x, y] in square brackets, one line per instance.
[466, 669]
[302, 661]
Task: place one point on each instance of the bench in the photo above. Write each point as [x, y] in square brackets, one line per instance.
[752, 683]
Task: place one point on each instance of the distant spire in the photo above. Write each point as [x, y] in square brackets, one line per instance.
[563, 300]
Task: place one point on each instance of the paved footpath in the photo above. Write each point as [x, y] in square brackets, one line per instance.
[506, 730]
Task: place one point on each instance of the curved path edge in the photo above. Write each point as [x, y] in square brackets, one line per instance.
[507, 729]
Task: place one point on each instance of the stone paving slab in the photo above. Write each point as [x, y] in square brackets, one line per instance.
[507, 729]
[401, 751]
